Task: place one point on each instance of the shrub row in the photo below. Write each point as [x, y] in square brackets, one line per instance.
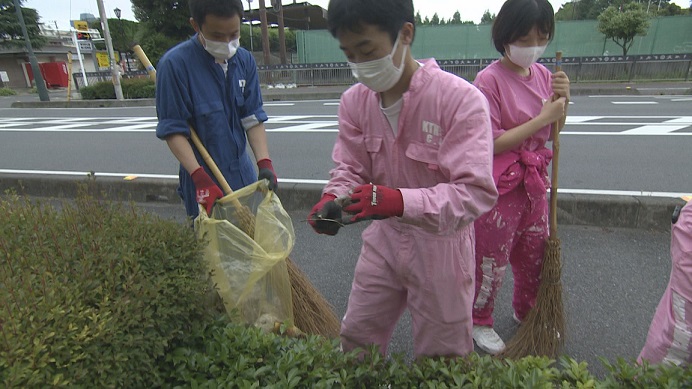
[96, 294]
[133, 88]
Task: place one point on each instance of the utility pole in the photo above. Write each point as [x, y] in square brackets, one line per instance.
[35, 69]
[282, 34]
[109, 46]
[265, 32]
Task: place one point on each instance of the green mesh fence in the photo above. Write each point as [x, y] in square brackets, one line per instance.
[666, 35]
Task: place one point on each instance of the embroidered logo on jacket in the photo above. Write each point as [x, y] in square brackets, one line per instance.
[241, 83]
[433, 133]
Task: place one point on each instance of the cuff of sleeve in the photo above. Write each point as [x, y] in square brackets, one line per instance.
[168, 127]
[413, 204]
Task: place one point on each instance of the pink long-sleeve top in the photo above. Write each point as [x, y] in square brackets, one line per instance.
[440, 158]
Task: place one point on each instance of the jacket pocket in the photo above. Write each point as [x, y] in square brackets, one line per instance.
[373, 144]
[209, 120]
[424, 154]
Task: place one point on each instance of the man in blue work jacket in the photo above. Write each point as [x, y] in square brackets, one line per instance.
[211, 83]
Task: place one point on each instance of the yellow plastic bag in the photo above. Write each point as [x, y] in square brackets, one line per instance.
[249, 237]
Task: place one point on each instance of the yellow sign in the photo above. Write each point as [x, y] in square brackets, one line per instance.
[80, 25]
[104, 61]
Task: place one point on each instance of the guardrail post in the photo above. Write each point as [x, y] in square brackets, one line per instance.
[689, 67]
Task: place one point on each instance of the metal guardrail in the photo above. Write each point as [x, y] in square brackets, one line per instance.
[663, 67]
[668, 67]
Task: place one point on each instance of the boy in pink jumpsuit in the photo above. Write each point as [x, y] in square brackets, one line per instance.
[414, 150]
[523, 99]
[670, 334]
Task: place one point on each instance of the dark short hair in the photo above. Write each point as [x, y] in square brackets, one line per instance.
[517, 17]
[388, 15]
[199, 9]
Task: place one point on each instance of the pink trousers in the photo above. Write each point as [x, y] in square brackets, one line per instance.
[513, 232]
[402, 266]
[670, 334]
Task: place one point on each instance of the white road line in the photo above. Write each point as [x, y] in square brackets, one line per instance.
[622, 133]
[652, 130]
[134, 128]
[323, 182]
[633, 102]
[581, 119]
[684, 99]
[310, 127]
[279, 104]
[330, 104]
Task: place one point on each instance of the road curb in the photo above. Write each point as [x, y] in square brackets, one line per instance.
[638, 212]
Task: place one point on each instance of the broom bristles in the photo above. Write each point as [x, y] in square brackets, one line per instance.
[542, 333]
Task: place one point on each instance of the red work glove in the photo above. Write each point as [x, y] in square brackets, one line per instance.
[266, 170]
[206, 190]
[375, 202]
[326, 208]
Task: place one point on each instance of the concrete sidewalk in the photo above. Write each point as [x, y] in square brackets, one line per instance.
[59, 97]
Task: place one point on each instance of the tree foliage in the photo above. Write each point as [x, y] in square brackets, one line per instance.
[591, 9]
[487, 17]
[10, 29]
[623, 25]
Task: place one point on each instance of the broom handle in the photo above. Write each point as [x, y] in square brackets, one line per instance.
[556, 159]
[212, 166]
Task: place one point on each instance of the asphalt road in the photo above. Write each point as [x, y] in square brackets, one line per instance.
[611, 143]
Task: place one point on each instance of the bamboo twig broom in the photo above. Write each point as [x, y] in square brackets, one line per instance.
[542, 332]
[312, 314]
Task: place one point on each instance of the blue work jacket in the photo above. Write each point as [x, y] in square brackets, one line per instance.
[192, 89]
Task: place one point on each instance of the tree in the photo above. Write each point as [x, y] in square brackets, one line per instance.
[435, 19]
[418, 19]
[10, 30]
[163, 24]
[487, 18]
[456, 19]
[623, 26]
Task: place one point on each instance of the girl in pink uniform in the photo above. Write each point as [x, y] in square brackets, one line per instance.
[670, 334]
[525, 100]
[414, 150]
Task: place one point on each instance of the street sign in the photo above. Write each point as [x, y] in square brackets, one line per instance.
[85, 46]
[4, 77]
[80, 25]
[103, 60]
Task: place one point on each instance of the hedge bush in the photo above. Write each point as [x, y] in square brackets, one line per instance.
[97, 294]
[133, 88]
[7, 92]
[93, 295]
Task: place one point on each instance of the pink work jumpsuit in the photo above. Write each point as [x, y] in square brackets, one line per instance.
[441, 160]
[670, 334]
[516, 229]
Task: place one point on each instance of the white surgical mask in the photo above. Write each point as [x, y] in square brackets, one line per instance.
[221, 50]
[380, 75]
[525, 56]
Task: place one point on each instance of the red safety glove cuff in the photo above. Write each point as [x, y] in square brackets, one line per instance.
[266, 171]
[206, 191]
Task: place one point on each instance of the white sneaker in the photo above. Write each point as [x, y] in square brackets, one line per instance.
[488, 340]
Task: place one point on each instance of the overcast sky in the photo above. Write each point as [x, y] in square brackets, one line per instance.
[62, 11]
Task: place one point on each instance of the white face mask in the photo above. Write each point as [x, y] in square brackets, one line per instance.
[221, 50]
[380, 75]
[525, 56]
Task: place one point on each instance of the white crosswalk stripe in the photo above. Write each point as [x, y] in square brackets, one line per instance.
[576, 125]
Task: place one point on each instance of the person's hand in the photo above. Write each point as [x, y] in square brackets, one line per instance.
[266, 171]
[553, 111]
[375, 202]
[325, 216]
[560, 84]
[206, 191]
